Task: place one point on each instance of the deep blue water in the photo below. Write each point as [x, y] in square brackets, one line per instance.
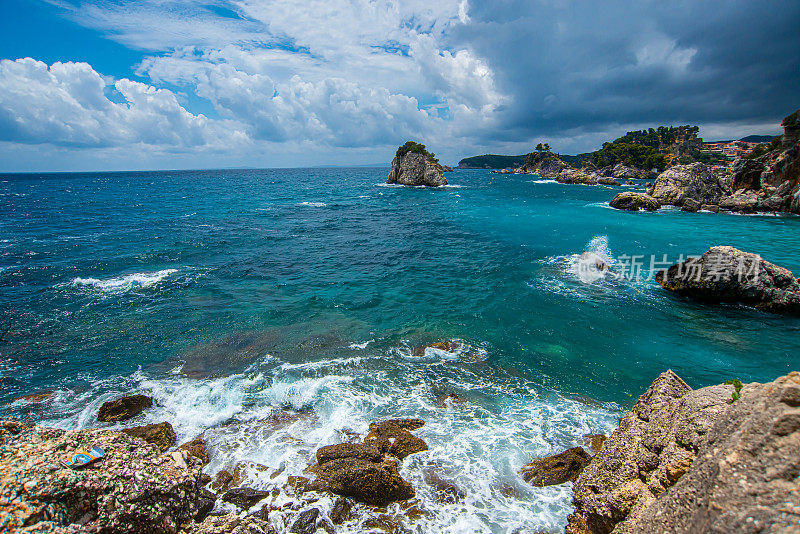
[308, 289]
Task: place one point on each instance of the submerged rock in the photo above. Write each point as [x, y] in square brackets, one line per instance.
[416, 168]
[556, 469]
[726, 274]
[686, 461]
[133, 484]
[159, 434]
[123, 408]
[227, 355]
[632, 201]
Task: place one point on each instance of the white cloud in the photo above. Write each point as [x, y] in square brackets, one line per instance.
[69, 104]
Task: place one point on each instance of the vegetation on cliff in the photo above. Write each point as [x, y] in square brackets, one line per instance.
[414, 147]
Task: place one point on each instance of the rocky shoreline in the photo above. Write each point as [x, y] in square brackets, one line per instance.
[681, 460]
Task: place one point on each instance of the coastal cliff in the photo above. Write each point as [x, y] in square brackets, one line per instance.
[718, 459]
[414, 165]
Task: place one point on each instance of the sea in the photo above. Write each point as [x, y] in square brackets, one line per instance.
[277, 311]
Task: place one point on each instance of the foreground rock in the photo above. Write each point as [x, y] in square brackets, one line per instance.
[556, 469]
[696, 181]
[161, 435]
[726, 274]
[413, 165]
[686, 461]
[368, 471]
[134, 484]
[123, 408]
[632, 201]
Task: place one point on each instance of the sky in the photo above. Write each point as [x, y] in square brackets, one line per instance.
[176, 84]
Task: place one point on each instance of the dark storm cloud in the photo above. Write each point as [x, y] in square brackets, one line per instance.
[592, 65]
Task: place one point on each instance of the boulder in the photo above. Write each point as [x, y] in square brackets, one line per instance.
[205, 503]
[232, 524]
[726, 274]
[633, 201]
[123, 408]
[159, 434]
[695, 181]
[685, 461]
[370, 482]
[556, 469]
[134, 483]
[710, 207]
[391, 438]
[415, 168]
[569, 175]
[623, 172]
[244, 498]
[743, 201]
[691, 205]
[348, 450]
[341, 511]
[196, 448]
[446, 346]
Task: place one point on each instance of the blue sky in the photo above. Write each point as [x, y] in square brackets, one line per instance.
[155, 84]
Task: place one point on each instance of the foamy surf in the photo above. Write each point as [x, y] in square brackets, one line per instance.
[124, 282]
[313, 204]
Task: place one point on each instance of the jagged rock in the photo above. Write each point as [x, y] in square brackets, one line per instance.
[348, 450]
[445, 168]
[197, 448]
[726, 274]
[416, 169]
[123, 408]
[577, 176]
[556, 469]
[605, 180]
[743, 201]
[695, 181]
[391, 438]
[244, 498]
[134, 484]
[159, 434]
[373, 483]
[205, 503]
[685, 461]
[306, 522]
[633, 201]
[222, 481]
[710, 207]
[341, 511]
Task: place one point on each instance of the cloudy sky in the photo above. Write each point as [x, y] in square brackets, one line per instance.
[156, 84]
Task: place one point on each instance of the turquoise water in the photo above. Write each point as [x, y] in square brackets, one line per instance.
[229, 295]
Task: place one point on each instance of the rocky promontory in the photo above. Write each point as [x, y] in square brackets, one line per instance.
[414, 165]
[718, 459]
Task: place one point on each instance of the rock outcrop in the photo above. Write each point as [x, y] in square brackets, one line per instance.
[134, 484]
[686, 461]
[633, 201]
[161, 435]
[556, 469]
[726, 274]
[770, 182]
[695, 181]
[123, 408]
[545, 164]
[416, 168]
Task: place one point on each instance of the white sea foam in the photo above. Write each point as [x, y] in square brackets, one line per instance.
[363, 345]
[313, 204]
[543, 181]
[124, 282]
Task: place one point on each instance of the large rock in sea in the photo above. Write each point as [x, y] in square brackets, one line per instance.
[726, 274]
[545, 164]
[709, 460]
[416, 168]
[556, 469]
[695, 181]
[123, 408]
[632, 201]
[133, 485]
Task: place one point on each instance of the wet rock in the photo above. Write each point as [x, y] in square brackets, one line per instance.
[691, 205]
[204, 504]
[710, 207]
[123, 408]
[244, 498]
[196, 448]
[556, 469]
[446, 346]
[134, 484]
[685, 461]
[726, 274]
[742, 202]
[391, 438]
[415, 168]
[373, 483]
[222, 481]
[348, 450]
[159, 434]
[296, 484]
[447, 491]
[232, 524]
[342, 511]
[306, 522]
[633, 201]
[450, 399]
[595, 442]
[410, 424]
